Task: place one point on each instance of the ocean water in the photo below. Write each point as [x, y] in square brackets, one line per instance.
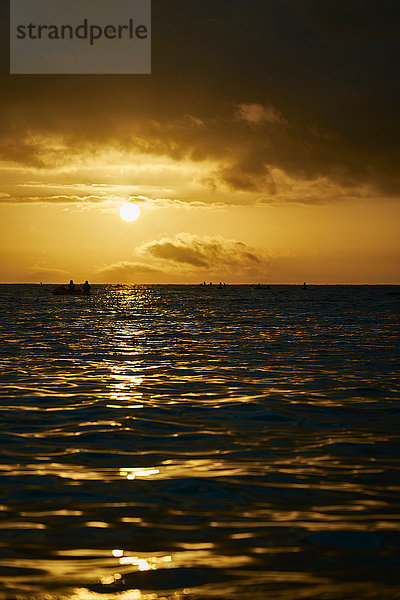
[181, 442]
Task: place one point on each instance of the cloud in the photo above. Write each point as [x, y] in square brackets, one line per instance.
[191, 258]
[194, 121]
[206, 253]
[178, 250]
[257, 113]
[125, 271]
[44, 272]
[307, 88]
[56, 199]
[125, 267]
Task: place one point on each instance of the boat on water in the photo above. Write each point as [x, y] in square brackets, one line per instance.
[63, 290]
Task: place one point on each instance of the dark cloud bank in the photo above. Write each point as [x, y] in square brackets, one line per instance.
[310, 87]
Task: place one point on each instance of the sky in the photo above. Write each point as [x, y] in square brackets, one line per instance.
[264, 147]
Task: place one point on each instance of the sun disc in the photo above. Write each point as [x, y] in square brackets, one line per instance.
[129, 212]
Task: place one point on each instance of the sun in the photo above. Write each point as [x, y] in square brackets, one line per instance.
[129, 212]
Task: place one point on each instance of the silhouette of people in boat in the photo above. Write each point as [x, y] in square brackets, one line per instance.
[86, 287]
[72, 289]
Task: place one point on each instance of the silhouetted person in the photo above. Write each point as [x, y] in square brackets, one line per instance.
[86, 287]
[71, 286]
[304, 286]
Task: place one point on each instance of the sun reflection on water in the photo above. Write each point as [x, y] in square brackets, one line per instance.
[123, 386]
[133, 473]
[85, 594]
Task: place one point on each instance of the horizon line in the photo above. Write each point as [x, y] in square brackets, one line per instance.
[194, 284]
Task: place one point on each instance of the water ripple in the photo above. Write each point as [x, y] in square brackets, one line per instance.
[180, 442]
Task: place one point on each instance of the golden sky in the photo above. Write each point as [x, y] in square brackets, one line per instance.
[263, 147]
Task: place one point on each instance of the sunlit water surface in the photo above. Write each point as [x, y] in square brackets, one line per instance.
[173, 442]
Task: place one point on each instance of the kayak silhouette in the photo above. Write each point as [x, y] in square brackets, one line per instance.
[63, 290]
